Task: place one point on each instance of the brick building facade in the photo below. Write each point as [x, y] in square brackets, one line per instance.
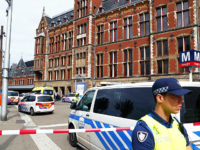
[105, 41]
[21, 76]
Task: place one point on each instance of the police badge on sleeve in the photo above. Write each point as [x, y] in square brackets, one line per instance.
[142, 136]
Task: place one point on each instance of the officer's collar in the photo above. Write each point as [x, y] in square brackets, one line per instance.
[159, 119]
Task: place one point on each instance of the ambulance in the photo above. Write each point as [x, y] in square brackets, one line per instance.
[44, 90]
[13, 97]
[122, 106]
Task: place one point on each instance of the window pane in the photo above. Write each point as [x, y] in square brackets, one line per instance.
[125, 22]
[180, 19]
[97, 59]
[101, 58]
[159, 66]
[187, 43]
[130, 69]
[126, 36]
[102, 28]
[131, 31]
[115, 35]
[111, 57]
[125, 69]
[165, 23]
[120, 102]
[142, 29]
[165, 66]
[147, 67]
[147, 52]
[101, 71]
[164, 10]
[115, 70]
[115, 24]
[111, 25]
[159, 49]
[146, 17]
[142, 68]
[147, 28]
[159, 24]
[130, 21]
[185, 5]
[97, 72]
[165, 46]
[111, 71]
[179, 6]
[158, 12]
[130, 55]
[180, 45]
[125, 56]
[142, 53]
[111, 35]
[141, 18]
[115, 54]
[99, 38]
[186, 18]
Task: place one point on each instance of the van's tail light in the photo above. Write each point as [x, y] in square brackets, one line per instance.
[38, 104]
[52, 103]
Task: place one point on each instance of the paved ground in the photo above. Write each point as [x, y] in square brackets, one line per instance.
[58, 120]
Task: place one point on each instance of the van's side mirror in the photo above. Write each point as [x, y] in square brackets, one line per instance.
[73, 105]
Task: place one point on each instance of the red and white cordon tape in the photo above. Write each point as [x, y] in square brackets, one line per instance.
[54, 131]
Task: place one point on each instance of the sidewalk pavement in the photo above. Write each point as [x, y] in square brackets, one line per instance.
[14, 142]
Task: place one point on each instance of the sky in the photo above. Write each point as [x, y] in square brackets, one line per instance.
[26, 17]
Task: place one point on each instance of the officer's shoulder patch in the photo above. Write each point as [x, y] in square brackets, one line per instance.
[142, 136]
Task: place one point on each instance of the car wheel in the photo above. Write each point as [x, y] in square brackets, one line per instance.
[19, 109]
[32, 112]
[72, 138]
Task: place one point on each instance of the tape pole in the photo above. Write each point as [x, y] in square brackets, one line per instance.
[56, 131]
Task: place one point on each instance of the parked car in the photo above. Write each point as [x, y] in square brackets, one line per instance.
[68, 97]
[36, 103]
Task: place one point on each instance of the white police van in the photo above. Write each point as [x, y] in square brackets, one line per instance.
[122, 106]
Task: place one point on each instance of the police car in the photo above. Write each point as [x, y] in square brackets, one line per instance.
[122, 106]
[36, 103]
[13, 97]
[68, 97]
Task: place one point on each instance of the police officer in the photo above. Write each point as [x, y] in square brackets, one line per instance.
[159, 130]
[77, 98]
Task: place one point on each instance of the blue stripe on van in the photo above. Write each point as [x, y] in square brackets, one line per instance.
[106, 136]
[125, 138]
[130, 132]
[119, 143]
[100, 138]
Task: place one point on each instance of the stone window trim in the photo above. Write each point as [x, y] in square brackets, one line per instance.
[161, 18]
[184, 40]
[144, 23]
[99, 65]
[113, 56]
[182, 13]
[128, 27]
[128, 62]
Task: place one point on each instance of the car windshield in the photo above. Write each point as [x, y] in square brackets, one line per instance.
[21, 95]
[45, 99]
[49, 92]
[13, 94]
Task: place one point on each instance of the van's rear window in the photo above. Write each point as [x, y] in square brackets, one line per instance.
[36, 92]
[45, 99]
[130, 103]
[190, 110]
[13, 94]
[49, 92]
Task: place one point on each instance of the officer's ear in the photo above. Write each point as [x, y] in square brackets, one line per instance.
[159, 98]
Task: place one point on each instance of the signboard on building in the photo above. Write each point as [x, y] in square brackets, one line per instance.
[80, 88]
[189, 58]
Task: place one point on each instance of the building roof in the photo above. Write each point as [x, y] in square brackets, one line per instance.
[27, 70]
[29, 63]
[108, 5]
[21, 63]
[60, 17]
